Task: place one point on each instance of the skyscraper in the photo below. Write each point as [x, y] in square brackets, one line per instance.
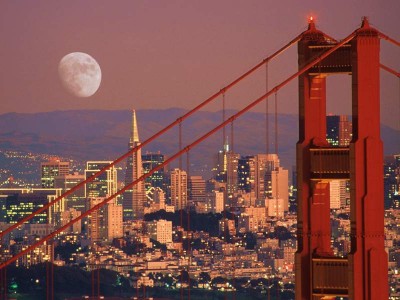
[105, 223]
[75, 200]
[338, 130]
[105, 184]
[278, 186]
[264, 164]
[51, 169]
[150, 161]
[246, 173]
[179, 188]
[227, 168]
[134, 198]
[197, 188]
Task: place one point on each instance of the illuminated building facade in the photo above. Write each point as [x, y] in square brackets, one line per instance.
[51, 169]
[105, 184]
[179, 191]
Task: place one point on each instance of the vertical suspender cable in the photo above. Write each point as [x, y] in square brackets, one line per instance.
[47, 280]
[5, 282]
[98, 283]
[52, 270]
[276, 153]
[189, 253]
[276, 123]
[2, 285]
[93, 281]
[180, 144]
[266, 131]
[223, 120]
[266, 114]
[232, 137]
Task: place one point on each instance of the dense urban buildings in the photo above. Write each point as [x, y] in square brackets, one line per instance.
[252, 236]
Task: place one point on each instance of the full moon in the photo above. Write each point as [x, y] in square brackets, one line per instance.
[80, 74]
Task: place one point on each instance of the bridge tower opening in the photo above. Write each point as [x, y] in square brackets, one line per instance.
[363, 273]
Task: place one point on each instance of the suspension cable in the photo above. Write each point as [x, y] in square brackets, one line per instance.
[180, 144]
[388, 38]
[187, 148]
[223, 120]
[232, 137]
[390, 70]
[156, 135]
[266, 114]
[189, 237]
[276, 169]
[276, 122]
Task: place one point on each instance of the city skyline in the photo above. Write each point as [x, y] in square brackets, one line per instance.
[138, 45]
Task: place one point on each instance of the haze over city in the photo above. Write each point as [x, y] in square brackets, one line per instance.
[162, 54]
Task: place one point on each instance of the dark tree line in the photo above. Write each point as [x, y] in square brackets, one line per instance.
[195, 222]
[71, 280]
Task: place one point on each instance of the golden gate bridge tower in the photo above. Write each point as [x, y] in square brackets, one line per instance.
[363, 273]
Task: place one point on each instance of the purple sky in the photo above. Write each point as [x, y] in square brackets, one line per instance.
[161, 54]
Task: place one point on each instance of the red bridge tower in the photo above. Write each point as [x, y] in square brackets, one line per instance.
[363, 274]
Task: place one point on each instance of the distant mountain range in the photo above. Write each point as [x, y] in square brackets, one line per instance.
[104, 135]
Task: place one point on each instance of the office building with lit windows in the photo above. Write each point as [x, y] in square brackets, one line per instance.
[51, 169]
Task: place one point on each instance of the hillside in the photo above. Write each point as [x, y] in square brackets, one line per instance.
[102, 135]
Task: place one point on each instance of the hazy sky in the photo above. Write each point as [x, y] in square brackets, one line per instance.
[161, 54]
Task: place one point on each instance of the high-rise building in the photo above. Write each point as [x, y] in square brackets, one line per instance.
[338, 130]
[246, 173]
[217, 202]
[105, 223]
[68, 215]
[150, 161]
[197, 188]
[51, 169]
[97, 221]
[227, 168]
[76, 199]
[278, 185]
[337, 193]
[160, 230]
[179, 195]
[134, 198]
[114, 217]
[264, 164]
[21, 202]
[105, 184]
[232, 172]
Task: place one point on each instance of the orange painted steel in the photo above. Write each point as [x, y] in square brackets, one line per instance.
[365, 268]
